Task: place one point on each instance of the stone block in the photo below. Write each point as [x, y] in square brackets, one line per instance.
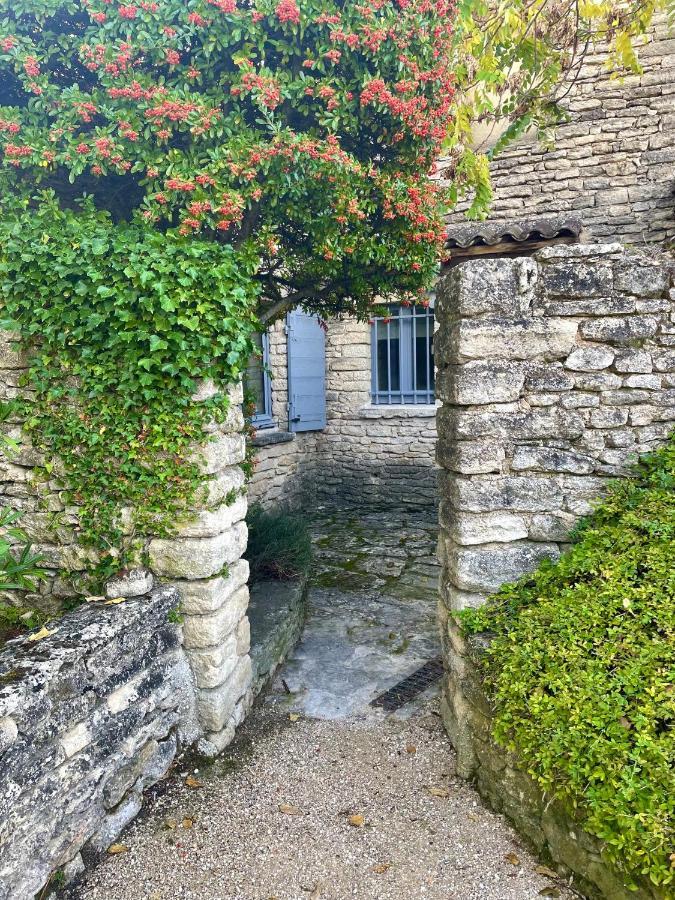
[514, 493]
[634, 361]
[481, 288]
[646, 382]
[590, 359]
[597, 381]
[575, 278]
[197, 558]
[481, 382]
[513, 423]
[210, 630]
[648, 280]
[212, 666]
[551, 526]
[548, 378]
[206, 596]
[485, 570]
[470, 457]
[619, 330]
[664, 361]
[211, 522]
[551, 459]
[497, 527]
[509, 339]
[131, 583]
[223, 451]
[608, 417]
[216, 706]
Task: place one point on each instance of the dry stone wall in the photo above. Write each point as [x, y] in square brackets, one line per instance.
[203, 559]
[613, 163]
[367, 454]
[90, 716]
[555, 372]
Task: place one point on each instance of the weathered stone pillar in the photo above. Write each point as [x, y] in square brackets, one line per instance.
[554, 372]
[203, 560]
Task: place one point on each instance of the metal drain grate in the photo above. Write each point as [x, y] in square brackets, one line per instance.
[411, 686]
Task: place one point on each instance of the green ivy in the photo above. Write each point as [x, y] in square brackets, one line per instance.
[582, 669]
[120, 325]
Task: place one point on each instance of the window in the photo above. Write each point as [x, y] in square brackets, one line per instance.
[257, 381]
[402, 356]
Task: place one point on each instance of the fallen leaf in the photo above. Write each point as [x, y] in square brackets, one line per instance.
[289, 810]
[381, 868]
[114, 849]
[42, 633]
[356, 821]
[187, 822]
[411, 748]
[193, 782]
[549, 892]
[439, 792]
[115, 600]
[544, 870]
[294, 717]
[170, 824]
[513, 859]
[93, 599]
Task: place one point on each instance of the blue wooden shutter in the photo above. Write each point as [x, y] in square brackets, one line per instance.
[306, 372]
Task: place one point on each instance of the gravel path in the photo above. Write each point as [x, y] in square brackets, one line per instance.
[271, 819]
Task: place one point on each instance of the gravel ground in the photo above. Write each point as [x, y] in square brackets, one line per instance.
[273, 819]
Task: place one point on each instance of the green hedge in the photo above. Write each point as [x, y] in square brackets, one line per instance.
[582, 671]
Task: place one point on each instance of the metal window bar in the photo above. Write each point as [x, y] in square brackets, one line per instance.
[409, 389]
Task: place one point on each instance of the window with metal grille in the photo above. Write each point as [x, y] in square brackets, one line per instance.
[402, 369]
[258, 383]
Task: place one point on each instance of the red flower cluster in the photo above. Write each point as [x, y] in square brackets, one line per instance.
[287, 11]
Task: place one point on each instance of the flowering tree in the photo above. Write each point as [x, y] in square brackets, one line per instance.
[306, 131]
[303, 128]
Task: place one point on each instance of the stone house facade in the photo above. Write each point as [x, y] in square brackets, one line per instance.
[610, 176]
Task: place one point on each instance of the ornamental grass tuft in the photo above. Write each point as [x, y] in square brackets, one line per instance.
[279, 544]
[581, 671]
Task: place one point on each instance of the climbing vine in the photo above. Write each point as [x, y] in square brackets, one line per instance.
[121, 325]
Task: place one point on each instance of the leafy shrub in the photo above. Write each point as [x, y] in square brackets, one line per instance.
[279, 544]
[19, 570]
[582, 669]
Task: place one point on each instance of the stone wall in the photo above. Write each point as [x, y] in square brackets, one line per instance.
[373, 455]
[555, 372]
[613, 164]
[90, 716]
[202, 559]
[282, 458]
[370, 454]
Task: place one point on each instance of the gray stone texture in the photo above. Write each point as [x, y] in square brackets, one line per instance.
[90, 716]
[523, 457]
[611, 166]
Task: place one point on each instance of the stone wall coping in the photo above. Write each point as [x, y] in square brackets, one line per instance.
[27, 667]
[402, 411]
